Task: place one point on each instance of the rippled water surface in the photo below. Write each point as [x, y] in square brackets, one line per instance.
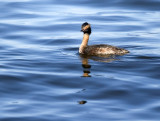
[43, 78]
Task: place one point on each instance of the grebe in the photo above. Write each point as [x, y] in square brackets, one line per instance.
[96, 50]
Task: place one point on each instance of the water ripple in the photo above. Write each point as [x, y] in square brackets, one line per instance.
[44, 78]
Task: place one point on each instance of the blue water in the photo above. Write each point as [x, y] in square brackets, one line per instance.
[43, 78]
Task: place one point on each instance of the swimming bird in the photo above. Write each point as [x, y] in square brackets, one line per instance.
[96, 50]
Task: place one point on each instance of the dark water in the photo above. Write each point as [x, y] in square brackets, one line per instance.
[42, 77]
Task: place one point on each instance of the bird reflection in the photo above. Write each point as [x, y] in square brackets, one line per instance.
[82, 102]
[86, 66]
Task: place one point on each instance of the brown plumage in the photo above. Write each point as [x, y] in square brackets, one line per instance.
[104, 50]
[101, 49]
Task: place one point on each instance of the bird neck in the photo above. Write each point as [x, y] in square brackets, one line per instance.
[85, 40]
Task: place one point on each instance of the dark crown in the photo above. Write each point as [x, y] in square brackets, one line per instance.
[86, 28]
